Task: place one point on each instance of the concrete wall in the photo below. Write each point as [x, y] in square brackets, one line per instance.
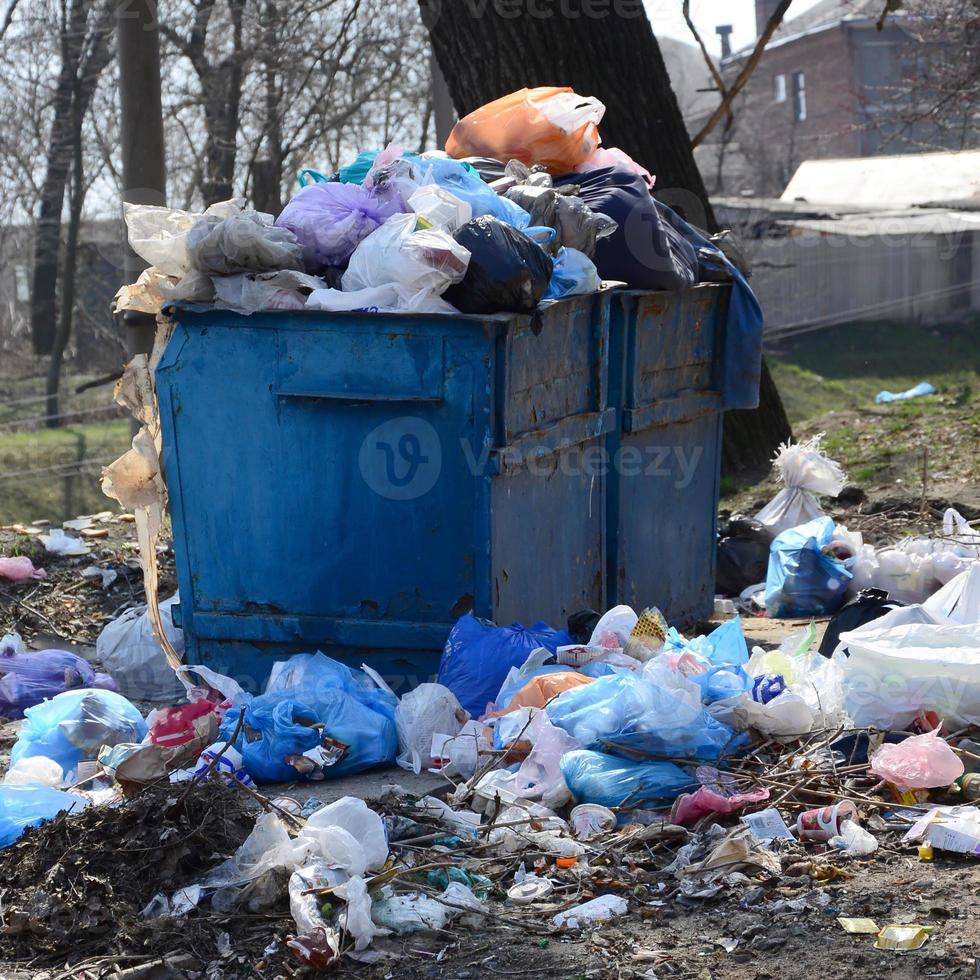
[812, 279]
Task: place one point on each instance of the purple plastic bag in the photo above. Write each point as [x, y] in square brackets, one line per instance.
[330, 220]
[31, 677]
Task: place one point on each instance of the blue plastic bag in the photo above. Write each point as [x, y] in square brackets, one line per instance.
[29, 805]
[358, 721]
[355, 171]
[573, 273]
[632, 714]
[802, 580]
[312, 677]
[36, 675]
[594, 777]
[73, 726]
[468, 186]
[285, 729]
[478, 656]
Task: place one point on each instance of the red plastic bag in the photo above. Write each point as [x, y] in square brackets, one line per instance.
[549, 125]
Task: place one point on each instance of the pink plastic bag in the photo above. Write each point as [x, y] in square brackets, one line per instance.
[20, 569]
[920, 762]
[690, 807]
[613, 156]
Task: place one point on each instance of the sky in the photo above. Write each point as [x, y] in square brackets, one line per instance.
[666, 17]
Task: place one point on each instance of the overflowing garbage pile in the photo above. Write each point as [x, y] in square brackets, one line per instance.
[597, 771]
[524, 206]
[793, 560]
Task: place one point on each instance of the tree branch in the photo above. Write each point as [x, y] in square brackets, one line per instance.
[708, 60]
[745, 74]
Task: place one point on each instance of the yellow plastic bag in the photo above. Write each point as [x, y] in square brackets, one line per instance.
[549, 125]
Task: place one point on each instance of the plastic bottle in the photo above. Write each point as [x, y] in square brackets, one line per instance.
[969, 786]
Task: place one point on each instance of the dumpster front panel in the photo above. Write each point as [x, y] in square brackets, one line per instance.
[321, 480]
[666, 353]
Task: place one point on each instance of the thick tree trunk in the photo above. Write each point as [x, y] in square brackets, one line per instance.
[487, 48]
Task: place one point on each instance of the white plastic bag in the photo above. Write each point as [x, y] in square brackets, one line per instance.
[248, 293]
[159, 235]
[349, 835]
[916, 567]
[958, 600]
[427, 260]
[428, 710]
[56, 542]
[910, 661]
[356, 917]
[806, 472]
[441, 208]
[539, 777]
[390, 298]
[614, 628]
[129, 651]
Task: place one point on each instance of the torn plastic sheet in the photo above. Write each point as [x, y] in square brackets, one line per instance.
[135, 479]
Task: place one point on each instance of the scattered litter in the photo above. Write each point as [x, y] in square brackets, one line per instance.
[859, 926]
[922, 388]
[898, 937]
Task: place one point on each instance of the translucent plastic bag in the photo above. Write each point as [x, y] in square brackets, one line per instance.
[312, 678]
[478, 655]
[573, 275]
[246, 242]
[911, 661]
[803, 580]
[362, 844]
[919, 762]
[614, 157]
[27, 806]
[539, 777]
[127, 648]
[806, 472]
[248, 293]
[468, 187]
[430, 709]
[426, 260]
[440, 208]
[331, 220]
[594, 777]
[72, 727]
[614, 628]
[159, 235]
[35, 675]
[548, 125]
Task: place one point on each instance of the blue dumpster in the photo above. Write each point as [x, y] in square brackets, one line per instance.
[667, 373]
[354, 482]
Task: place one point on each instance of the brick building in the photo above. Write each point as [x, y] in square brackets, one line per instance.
[830, 84]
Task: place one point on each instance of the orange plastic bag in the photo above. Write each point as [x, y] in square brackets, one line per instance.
[538, 691]
[549, 125]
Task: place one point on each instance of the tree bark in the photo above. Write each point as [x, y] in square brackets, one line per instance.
[488, 48]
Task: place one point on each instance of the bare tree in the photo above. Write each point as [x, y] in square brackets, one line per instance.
[84, 42]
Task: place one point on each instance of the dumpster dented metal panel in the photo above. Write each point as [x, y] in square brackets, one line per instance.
[666, 374]
[354, 482]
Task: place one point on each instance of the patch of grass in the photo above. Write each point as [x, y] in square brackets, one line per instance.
[54, 473]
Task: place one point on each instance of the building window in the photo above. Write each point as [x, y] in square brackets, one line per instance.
[799, 96]
[779, 88]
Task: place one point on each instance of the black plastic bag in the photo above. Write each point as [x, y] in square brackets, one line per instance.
[581, 624]
[743, 555]
[646, 251]
[508, 272]
[867, 606]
